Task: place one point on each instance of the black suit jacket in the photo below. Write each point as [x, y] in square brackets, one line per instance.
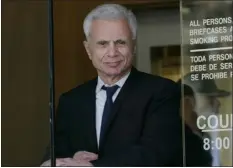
[144, 128]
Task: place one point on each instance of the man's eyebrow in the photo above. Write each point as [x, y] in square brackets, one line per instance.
[120, 40]
[115, 41]
[102, 41]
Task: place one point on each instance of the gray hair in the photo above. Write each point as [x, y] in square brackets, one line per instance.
[110, 11]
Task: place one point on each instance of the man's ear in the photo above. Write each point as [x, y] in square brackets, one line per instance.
[192, 101]
[86, 45]
[189, 101]
[134, 47]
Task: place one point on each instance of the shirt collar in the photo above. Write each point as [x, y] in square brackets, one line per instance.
[120, 83]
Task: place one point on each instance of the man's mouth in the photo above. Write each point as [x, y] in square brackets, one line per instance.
[113, 64]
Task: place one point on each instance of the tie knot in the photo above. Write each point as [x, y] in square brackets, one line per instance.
[110, 90]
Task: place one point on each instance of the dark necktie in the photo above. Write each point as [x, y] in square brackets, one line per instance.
[107, 108]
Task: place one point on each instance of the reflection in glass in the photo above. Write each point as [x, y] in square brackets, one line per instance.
[207, 69]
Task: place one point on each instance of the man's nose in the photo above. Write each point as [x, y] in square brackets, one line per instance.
[112, 50]
[216, 102]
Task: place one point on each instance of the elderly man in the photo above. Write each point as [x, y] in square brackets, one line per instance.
[123, 117]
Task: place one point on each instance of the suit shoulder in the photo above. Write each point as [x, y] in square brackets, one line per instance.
[81, 89]
[156, 80]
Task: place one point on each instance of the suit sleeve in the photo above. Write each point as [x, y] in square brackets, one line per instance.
[62, 148]
[161, 140]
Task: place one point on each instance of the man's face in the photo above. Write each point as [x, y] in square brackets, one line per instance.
[208, 104]
[214, 103]
[110, 46]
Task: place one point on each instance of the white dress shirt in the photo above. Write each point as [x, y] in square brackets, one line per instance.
[101, 99]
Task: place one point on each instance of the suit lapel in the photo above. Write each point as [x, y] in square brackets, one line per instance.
[90, 107]
[125, 90]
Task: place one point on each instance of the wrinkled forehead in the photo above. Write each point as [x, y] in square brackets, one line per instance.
[110, 29]
[104, 16]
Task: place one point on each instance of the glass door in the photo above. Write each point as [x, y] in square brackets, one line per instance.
[206, 63]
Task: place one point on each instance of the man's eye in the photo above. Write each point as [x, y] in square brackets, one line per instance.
[102, 43]
[121, 42]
